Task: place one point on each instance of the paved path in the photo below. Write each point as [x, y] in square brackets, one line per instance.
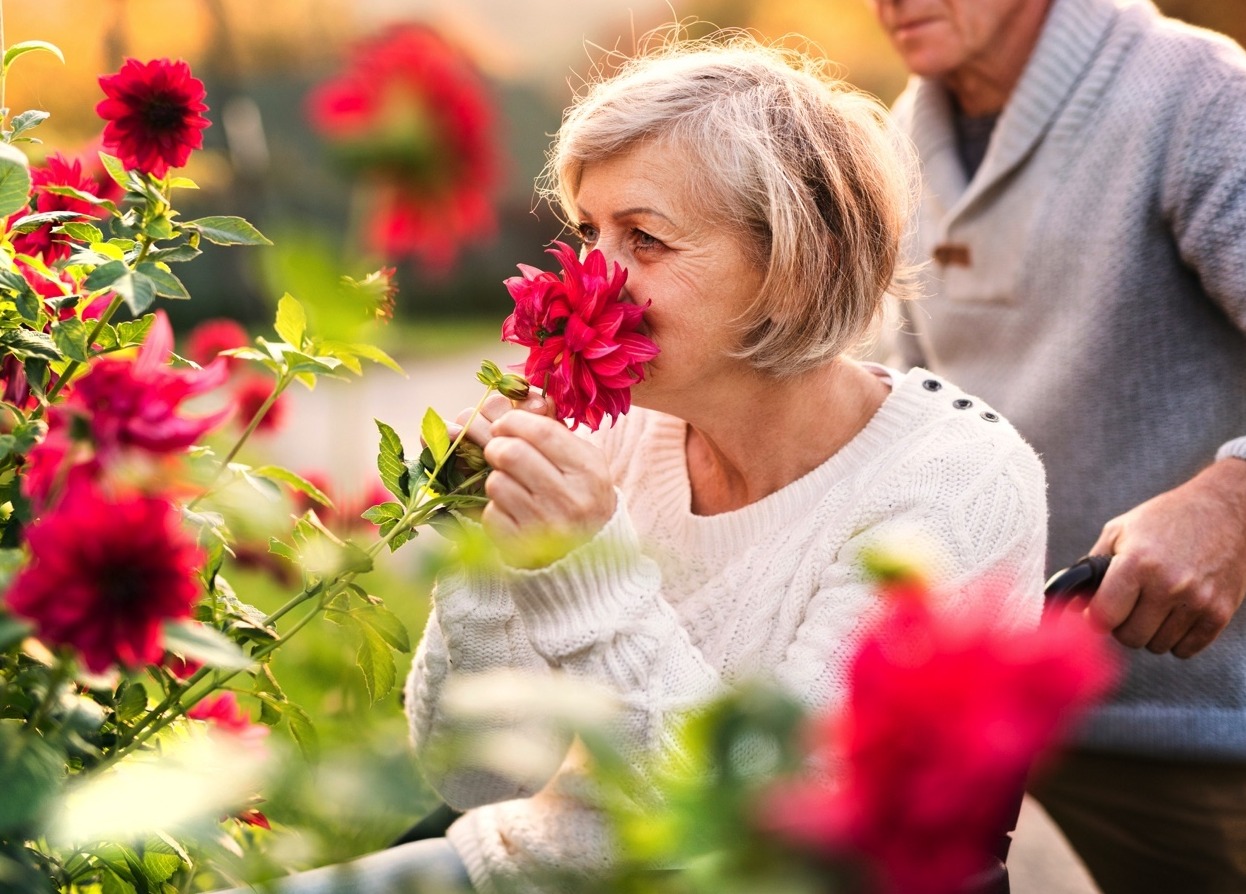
[330, 429]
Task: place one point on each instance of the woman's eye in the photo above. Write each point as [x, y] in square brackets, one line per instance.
[587, 233]
[644, 241]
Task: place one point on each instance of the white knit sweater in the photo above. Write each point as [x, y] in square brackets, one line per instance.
[669, 608]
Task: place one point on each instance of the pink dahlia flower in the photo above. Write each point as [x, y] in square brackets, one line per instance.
[585, 345]
[210, 337]
[105, 574]
[57, 171]
[153, 110]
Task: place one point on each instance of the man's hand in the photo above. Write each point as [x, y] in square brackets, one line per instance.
[1178, 571]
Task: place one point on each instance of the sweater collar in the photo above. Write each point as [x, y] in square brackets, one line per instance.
[1071, 36]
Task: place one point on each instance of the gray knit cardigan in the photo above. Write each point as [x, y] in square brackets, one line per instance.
[1093, 289]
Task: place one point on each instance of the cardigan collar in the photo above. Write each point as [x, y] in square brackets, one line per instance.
[1070, 38]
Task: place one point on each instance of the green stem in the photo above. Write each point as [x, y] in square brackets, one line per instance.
[282, 384]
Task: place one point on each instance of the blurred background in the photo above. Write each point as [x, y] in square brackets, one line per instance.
[362, 133]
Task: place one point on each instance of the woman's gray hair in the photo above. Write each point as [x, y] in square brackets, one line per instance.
[803, 167]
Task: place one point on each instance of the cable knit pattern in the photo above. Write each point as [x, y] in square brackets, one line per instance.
[668, 608]
[1104, 306]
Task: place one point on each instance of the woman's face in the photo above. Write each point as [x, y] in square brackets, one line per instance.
[636, 210]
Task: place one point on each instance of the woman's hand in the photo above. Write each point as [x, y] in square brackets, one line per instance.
[549, 491]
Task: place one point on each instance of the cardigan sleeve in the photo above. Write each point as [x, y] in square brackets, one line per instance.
[1204, 187]
[472, 628]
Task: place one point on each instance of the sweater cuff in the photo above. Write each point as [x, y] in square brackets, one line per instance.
[1234, 449]
[587, 595]
[464, 837]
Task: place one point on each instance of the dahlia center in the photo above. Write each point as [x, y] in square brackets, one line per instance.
[163, 112]
[122, 586]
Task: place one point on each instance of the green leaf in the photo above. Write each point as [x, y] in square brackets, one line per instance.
[166, 283]
[159, 863]
[390, 462]
[116, 170]
[28, 46]
[111, 882]
[138, 290]
[83, 232]
[182, 183]
[387, 625]
[436, 438]
[291, 322]
[204, 644]
[28, 119]
[71, 337]
[384, 512]
[14, 179]
[28, 223]
[104, 276]
[13, 630]
[224, 230]
[377, 663]
[30, 775]
[28, 343]
[283, 549]
[25, 298]
[298, 482]
[131, 701]
[366, 351]
[302, 730]
[82, 196]
[134, 332]
[174, 254]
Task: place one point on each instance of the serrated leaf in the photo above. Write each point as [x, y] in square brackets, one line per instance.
[104, 276]
[175, 254]
[131, 701]
[112, 883]
[436, 438]
[291, 323]
[376, 661]
[226, 230]
[134, 332]
[28, 223]
[204, 644]
[14, 179]
[138, 290]
[71, 338]
[25, 298]
[367, 352]
[387, 625]
[302, 730]
[390, 462]
[294, 480]
[82, 196]
[158, 866]
[116, 170]
[167, 284]
[29, 46]
[83, 232]
[28, 343]
[182, 183]
[384, 512]
[283, 549]
[26, 120]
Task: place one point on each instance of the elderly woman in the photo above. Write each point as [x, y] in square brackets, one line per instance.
[716, 533]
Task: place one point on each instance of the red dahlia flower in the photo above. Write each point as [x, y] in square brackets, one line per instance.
[57, 171]
[105, 574]
[249, 395]
[411, 113]
[210, 337]
[584, 340]
[134, 403]
[225, 714]
[153, 114]
[942, 726]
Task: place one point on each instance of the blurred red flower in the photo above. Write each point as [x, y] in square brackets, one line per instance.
[249, 395]
[153, 110]
[135, 403]
[105, 573]
[943, 723]
[56, 171]
[585, 345]
[410, 112]
[224, 713]
[210, 337]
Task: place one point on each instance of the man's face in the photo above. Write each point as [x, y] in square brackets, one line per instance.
[938, 38]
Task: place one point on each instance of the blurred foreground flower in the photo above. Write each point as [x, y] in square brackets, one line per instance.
[106, 573]
[153, 110]
[586, 347]
[410, 114]
[945, 720]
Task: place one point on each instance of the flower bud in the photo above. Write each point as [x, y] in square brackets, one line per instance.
[470, 457]
[513, 386]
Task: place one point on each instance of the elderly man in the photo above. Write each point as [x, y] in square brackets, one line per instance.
[1084, 222]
